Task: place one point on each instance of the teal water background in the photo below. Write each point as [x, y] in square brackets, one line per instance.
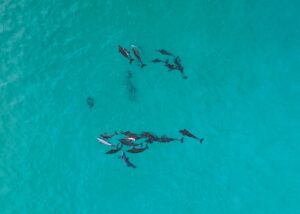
[242, 59]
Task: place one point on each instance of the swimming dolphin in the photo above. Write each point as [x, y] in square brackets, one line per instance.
[165, 139]
[131, 138]
[188, 134]
[104, 142]
[170, 66]
[130, 86]
[181, 140]
[126, 160]
[127, 142]
[165, 52]
[90, 102]
[138, 150]
[137, 55]
[156, 60]
[112, 151]
[179, 66]
[150, 137]
[107, 136]
[131, 134]
[125, 53]
[129, 74]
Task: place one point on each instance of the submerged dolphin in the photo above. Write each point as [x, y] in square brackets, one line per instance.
[169, 65]
[90, 101]
[179, 66]
[138, 150]
[112, 151]
[131, 135]
[107, 136]
[165, 52]
[156, 60]
[126, 160]
[127, 142]
[150, 137]
[165, 139]
[130, 86]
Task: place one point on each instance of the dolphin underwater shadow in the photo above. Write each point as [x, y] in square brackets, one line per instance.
[131, 87]
[90, 102]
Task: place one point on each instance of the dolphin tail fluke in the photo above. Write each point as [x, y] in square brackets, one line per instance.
[181, 140]
[201, 140]
[143, 65]
[131, 60]
[184, 77]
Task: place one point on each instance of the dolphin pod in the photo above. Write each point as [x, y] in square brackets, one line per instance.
[135, 143]
[126, 142]
[171, 66]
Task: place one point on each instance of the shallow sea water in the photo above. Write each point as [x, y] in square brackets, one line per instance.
[242, 59]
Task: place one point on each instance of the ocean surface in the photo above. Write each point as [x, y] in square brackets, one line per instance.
[242, 59]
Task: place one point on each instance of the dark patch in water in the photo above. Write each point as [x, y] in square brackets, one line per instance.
[130, 87]
[90, 101]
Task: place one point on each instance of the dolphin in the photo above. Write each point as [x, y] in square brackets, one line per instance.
[137, 55]
[127, 142]
[179, 66]
[90, 102]
[107, 136]
[112, 151]
[188, 134]
[129, 74]
[170, 66]
[126, 160]
[156, 60]
[165, 52]
[131, 135]
[125, 53]
[138, 150]
[165, 139]
[150, 137]
[130, 86]
[104, 142]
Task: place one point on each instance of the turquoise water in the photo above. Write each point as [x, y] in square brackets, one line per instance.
[242, 59]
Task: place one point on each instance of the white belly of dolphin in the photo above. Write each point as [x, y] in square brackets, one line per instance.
[104, 142]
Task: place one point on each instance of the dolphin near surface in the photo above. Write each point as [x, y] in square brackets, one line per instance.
[189, 134]
[112, 151]
[138, 150]
[137, 55]
[131, 135]
[127, 142]
[107, 136]
[165, 52]
[126, 160]
[125, 53]
[104, 142]
[165, 139]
